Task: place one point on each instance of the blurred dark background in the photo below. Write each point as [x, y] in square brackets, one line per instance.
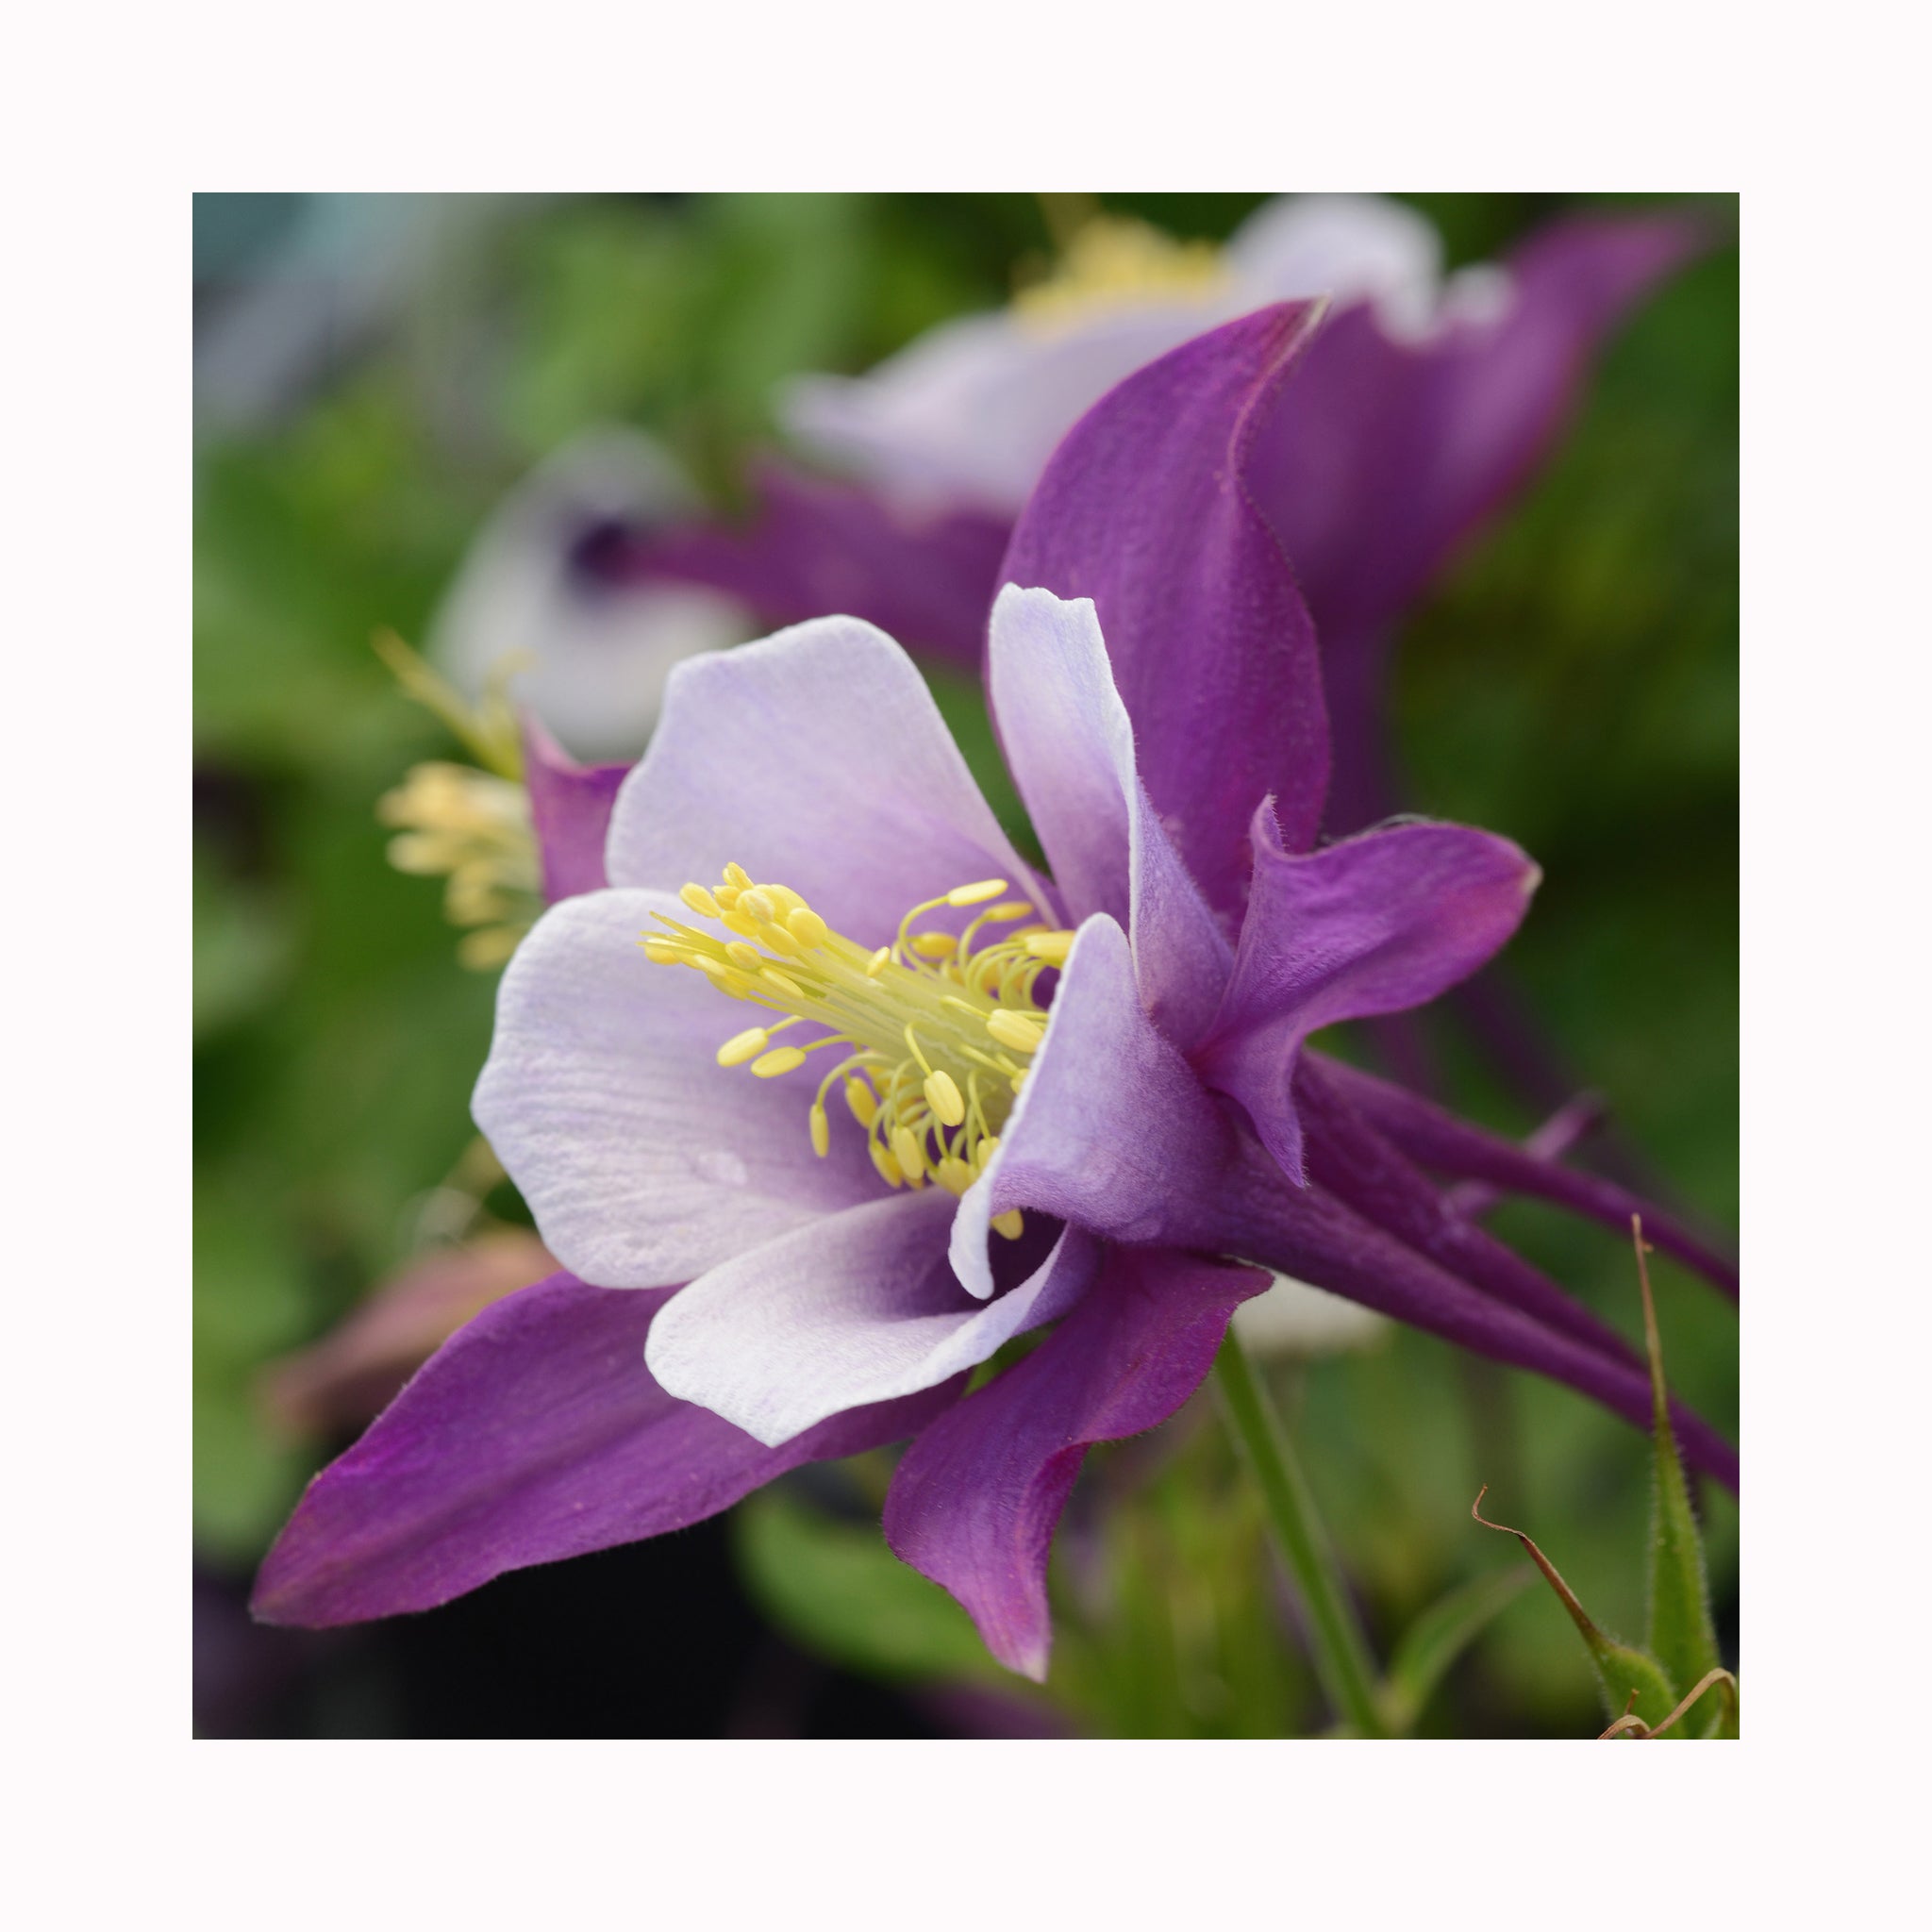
[373, 373]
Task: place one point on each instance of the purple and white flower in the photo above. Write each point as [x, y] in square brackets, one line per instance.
[828, 1093]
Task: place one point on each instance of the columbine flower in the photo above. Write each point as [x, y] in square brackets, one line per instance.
[1423, 408]
[535, 589]
[829, 1095]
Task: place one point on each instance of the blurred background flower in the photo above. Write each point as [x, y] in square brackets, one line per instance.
[402, 401]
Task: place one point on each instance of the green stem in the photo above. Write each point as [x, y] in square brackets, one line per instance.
[1341, 1653]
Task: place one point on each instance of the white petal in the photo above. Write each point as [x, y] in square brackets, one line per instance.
[816, 759]
[859, 1307]
[645, 1161]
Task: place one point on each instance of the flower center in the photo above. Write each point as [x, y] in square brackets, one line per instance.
[940, 1027]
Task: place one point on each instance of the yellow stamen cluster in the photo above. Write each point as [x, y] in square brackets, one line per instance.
[474, 827]
[1112, 262]
[938, 1025]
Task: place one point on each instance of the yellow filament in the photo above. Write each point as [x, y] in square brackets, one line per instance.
[916, 1021]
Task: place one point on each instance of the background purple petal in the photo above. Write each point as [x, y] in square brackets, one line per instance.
[1144, 508]
[535, 1433]
[812, 547]
[976, 1498]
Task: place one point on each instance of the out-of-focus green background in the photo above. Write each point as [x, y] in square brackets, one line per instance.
[1574, 685]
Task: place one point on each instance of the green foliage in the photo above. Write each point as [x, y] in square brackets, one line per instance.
[1682, 1635]
[1433, 1643]
[836, 1590]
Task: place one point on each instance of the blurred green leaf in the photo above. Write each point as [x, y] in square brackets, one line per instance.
[842, 1593]
[1440, 1636]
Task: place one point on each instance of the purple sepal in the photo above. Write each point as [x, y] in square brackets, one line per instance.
[570, 807]
[1375, 925]
[1309, 1233]
[1438, 1140]
[813, 547]
[1366, 1173]
[1144, 508]
[534, 1433]
[975, 1500]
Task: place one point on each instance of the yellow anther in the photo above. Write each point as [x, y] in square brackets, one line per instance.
[742, 955]
[820, 1132]
[700, 901]
[875, 965]
[806, 926]
[756, 904]
[789, 988]
[987, 1149]
[743, 1046]
[1010, 1224]
[974, 894]
[888, 1167]
[741, 923]
[908, 1152]
[1005, 910]
[933, 945]
[1051, 946]
[942, 1095]
[953, 1174]
[781, 1060]
[736, 876]
[726, 896]
[661, 952]
[783, 898]
[1014, 1030]
[779, 940]
[862, 1101]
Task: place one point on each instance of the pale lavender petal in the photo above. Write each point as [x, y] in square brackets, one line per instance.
[1113, 1132]
[570, 806]
[1374, 925]
[645, 1161]
[1070, 747]
[1145, 508]
[971, 411]
[859, 1307]
[816, 759]
[812, 547]
[535, 1433]
[976, 1498]
[1438, 1140]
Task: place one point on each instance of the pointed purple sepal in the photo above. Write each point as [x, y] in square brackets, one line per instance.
[570, 807]
[535, 1433]
[976, 1498]
[1145, 507]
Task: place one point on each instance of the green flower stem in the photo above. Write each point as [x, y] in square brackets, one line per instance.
[1341, 1653]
